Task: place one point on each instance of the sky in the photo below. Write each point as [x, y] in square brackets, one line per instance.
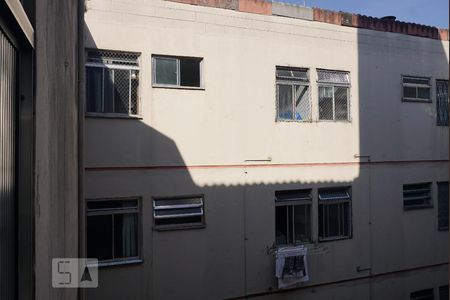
[427, 12]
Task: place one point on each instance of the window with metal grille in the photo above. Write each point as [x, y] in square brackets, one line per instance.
[170, 71]
[293, 217]
[416, 89]
[443, 205]
[417, 195]
[427, 294]
[443, 292]
[334, 95]
[112, 82]
[112, 229]
[335, 217]
[185, 211]
[293, 97]
[442, 102]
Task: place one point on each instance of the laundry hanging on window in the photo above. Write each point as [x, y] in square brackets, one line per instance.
[291, 266]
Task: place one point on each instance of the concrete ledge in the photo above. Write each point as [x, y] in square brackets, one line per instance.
[255, 7]
[292, 11]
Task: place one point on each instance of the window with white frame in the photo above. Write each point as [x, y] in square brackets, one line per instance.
[427, 294]
[293, 217]
[293, 97]
[112, 229]
[443, 205]
[417, 195]
[334, 95]
[179, 212]
[335, 214]
[442, 102]
[112, 82]
[416, 89]
[171, 71]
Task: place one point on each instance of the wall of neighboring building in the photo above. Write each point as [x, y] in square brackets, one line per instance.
[56, 141]
[207, 141]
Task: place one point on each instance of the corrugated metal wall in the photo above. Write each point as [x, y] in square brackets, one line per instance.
[8, 64]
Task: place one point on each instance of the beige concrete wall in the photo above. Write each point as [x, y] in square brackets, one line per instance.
[233, 120]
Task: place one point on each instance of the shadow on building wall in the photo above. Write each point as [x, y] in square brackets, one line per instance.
[231, 257]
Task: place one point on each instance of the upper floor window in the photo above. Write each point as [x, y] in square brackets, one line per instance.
[293, 216]
[112, 82]
[112, 230]
[335, 214]
[334, 95]
[293, 98]
[442, 102]
[417, 195]
[416, 89]
[169, 71]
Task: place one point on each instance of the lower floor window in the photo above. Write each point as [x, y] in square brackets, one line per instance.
[112, 229]
[334, 214]
[422, 295]
[293, 217]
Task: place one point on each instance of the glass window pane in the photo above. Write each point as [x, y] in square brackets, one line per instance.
[99, 237]
[284, 72]
[443, 205]
[108, 89]
[134, 91]
[125, 235]
[281, 225]
[409, 92]
[94, 92]
[285, 102]
[341, 103]
[411, 80]
[345, 212]
[333, 76]
[121, 90]
[333, 220]
[190, 72]
[325, 103]
[165, 70]
[442, 102]
[322, 224]
[111, 204]
[423, 93]
[302, 105]
[302, 223]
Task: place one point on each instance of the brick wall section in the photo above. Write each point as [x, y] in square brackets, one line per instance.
[256, 7]
[327, 16]
[361, 21]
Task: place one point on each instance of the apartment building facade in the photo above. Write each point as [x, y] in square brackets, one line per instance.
[219, 134]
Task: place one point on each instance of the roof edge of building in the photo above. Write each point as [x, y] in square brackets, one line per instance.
[388, 24]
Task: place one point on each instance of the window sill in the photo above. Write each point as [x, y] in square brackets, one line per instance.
[134, 261]
[427, 206]
[333, 239]
[178, 87]
[416, 100]
[112, 116]
[178, 227]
